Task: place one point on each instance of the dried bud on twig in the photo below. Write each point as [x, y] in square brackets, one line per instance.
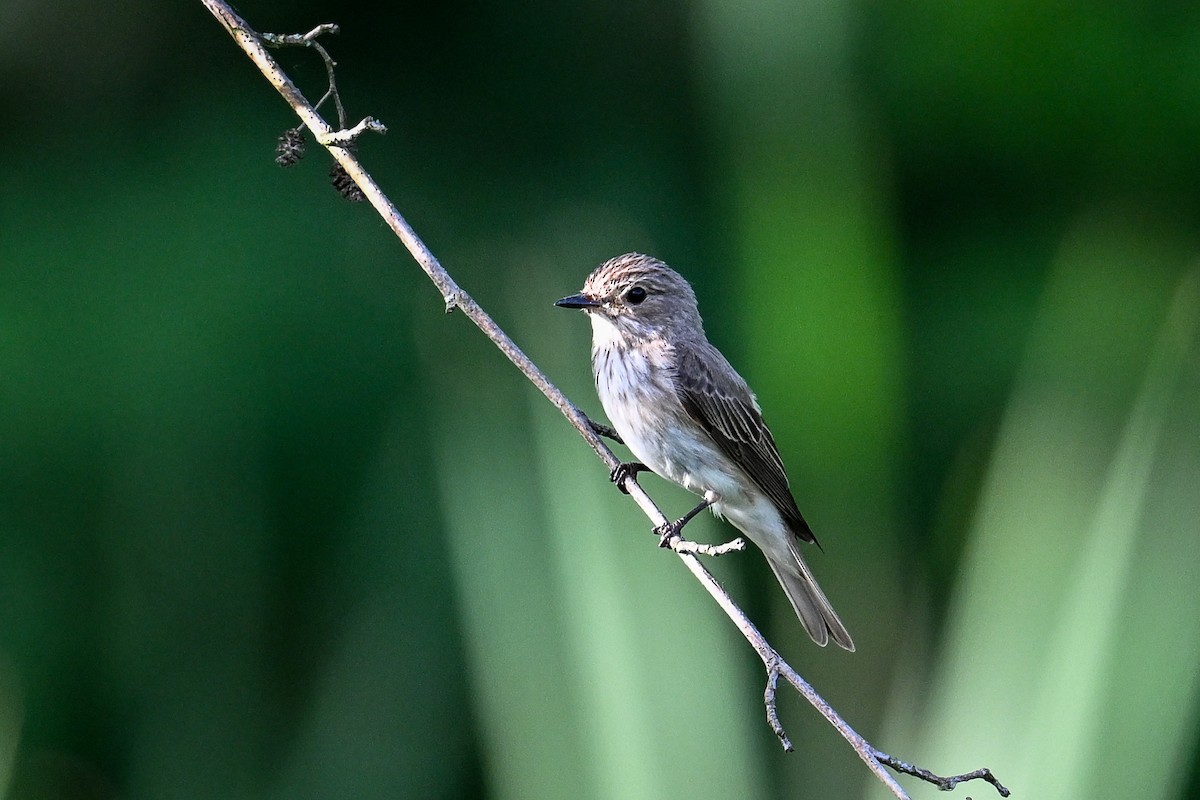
[345, 185]
[290, 148]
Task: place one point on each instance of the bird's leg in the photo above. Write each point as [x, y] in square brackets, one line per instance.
[603, 430]
[671, 530]
[622, 472]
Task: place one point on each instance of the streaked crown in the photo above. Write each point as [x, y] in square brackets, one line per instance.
[636, 290]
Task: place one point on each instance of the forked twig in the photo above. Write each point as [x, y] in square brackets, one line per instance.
[310, 40]
[454, 297]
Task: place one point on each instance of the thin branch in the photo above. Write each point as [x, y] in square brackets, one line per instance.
[681, 545]
[454, 297]
[346, 138]
[310, 40]
[772, 713]
[299, 39]
[945, 784]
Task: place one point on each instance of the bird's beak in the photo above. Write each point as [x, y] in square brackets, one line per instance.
[578, 301]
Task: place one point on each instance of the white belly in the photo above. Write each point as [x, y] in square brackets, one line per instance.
[637, 391]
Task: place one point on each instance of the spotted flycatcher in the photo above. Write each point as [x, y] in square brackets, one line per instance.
[688, 416]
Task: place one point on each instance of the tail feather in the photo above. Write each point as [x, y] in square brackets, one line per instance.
[811, 606]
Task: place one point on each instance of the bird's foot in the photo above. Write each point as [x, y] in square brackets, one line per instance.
[668, 532]
[623, 472]
[669, 538]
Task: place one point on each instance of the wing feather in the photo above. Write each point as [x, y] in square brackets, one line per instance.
[721, 402]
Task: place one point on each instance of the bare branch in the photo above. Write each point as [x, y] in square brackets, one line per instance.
[772, 713]
[680, 545]
[945, 784]
[454, 297]
[299, 39]
[310, 40]
[346, 138]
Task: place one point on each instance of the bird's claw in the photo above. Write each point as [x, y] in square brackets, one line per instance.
[667, 532]
[622, 472]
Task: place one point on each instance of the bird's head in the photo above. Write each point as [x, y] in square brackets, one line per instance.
[636, 295]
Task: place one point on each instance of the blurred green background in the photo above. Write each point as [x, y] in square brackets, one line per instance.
[273, 526]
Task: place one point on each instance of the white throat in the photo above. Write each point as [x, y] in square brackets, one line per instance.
[605, 332]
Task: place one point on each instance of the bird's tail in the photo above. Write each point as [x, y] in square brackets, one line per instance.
[810, 603]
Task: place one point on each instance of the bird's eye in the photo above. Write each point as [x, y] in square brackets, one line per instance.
[636, 295]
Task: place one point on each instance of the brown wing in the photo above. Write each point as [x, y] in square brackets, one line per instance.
[721, 403]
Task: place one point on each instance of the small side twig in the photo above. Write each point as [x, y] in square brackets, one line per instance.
[772, 713]
[299, 39]
[347, 136]
[945, 784]
[310, 40]
[453, 295]
[681, 545]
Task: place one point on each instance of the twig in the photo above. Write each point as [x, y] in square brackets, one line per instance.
[345, 138]
[310, 40]
[681, 545]
[772, 713]
[454, 297]
[301, 39]
[945, 784]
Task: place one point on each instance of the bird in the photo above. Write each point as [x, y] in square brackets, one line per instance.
[687, 415]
